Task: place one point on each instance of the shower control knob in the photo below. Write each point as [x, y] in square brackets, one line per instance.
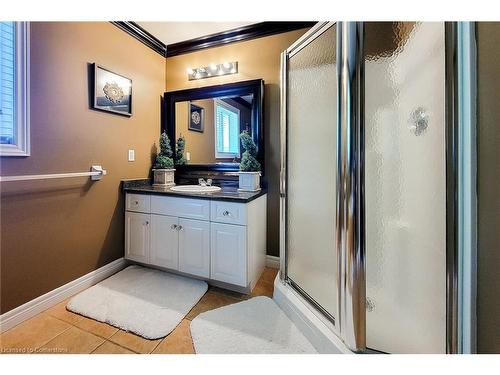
[419, 121]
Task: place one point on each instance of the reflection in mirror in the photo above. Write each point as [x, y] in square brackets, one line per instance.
[211, 128]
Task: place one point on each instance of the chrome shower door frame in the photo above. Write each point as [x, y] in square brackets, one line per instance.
[350, 185]
[461, 183]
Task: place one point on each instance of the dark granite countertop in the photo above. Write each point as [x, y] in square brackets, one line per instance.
[230, 194]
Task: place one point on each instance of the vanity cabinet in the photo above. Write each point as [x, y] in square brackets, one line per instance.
[222, 242]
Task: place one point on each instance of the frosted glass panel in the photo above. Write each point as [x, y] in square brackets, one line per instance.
[405, 187]
[311, 168]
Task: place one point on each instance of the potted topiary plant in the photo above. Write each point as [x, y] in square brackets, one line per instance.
[249, 176]
[179, 151]
[163, 169]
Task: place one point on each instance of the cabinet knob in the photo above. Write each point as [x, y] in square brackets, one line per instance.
[179, 227]
[147, 222]
[136, 202]
[173, 226]
[226, 213]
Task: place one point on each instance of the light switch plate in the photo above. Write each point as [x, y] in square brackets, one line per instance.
[131, 155]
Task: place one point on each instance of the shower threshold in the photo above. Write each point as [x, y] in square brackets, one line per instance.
[303, 315]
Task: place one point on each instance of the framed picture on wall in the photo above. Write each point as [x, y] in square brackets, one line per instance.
[112, 91]
[196, 121]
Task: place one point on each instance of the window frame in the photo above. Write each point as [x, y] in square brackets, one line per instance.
[225, 155]
[21, 146]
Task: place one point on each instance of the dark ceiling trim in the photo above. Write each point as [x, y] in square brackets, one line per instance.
[142, 35]
[257, 30]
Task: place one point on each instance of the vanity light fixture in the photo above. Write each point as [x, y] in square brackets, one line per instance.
[212, 70]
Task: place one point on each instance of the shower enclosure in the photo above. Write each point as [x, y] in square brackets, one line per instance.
[369, 208]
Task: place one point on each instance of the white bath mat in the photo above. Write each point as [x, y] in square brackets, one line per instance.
[147, 302]
[256, 326]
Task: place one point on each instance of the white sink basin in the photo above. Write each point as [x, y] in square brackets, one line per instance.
[195, 188]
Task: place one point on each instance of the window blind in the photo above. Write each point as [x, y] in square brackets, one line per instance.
[7, 82]
[227, 127]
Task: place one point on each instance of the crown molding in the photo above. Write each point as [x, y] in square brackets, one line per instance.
[133, 29]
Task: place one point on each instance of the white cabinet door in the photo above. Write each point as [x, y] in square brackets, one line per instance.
[228, 254]
[194, 247]
[137, 235]
[164, 241]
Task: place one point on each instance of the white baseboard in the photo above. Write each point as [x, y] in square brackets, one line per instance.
[29, 309]
[272, 261]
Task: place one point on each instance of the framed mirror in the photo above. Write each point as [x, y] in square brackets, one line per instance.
[211, 119]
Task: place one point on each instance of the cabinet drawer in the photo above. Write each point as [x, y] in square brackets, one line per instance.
[230, 213]
[181, 207]
[138, 203]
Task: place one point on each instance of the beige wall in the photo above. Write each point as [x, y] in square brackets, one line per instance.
[55, 231]
[257, 58]
[200, 145]
[488, 133]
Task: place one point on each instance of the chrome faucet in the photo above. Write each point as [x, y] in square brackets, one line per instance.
[202, 182]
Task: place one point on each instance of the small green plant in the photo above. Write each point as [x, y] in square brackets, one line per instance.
[248, 162]
[164, 158]
[179, 151]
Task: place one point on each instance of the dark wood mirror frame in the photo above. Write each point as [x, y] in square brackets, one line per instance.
[255, 87]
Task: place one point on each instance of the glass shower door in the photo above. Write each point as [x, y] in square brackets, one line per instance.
[309, 166]
[405, 187]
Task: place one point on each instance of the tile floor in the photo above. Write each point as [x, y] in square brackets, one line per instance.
[57, 330]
